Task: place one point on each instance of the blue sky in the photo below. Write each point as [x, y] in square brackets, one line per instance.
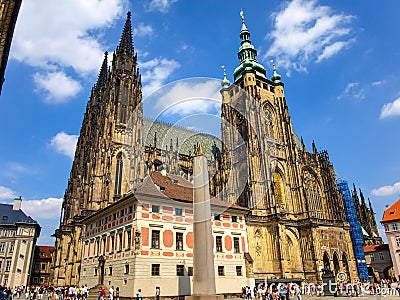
[338, 59]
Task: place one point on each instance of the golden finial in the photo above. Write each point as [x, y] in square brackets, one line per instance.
[198, 150]
[242, 15]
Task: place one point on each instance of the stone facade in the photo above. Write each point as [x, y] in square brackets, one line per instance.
[145, 240]
[261, 164]
[18, 234]
[297, 225]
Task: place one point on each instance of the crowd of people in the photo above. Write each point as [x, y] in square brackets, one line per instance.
[294, 291]
[37, 292]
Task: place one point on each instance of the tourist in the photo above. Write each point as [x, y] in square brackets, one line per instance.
[117, 293]
[111, 292]
[139, 294]
[282, 292]
[157, 293]
[297, 292]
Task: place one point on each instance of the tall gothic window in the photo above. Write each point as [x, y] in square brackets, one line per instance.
[118, 175]
[313, 194]
[268, 124]
[124, 105]
[278, 188]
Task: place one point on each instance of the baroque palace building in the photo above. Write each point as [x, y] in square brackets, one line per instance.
[296, 226]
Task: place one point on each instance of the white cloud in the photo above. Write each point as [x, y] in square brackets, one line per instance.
[7, 193]
[390, 109]
[304, 32]
[49, 208]
[160, 5]
[57, 86]
[188, 97]
[61, 33]
[64, 143]
[378, 83]
[155, 72]
[142, 30]
[387, 190]
[332, 50]
[353, 90]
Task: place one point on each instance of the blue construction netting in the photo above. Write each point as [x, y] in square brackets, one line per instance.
[356, 235]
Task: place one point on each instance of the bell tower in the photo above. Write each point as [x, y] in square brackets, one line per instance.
[109, 154]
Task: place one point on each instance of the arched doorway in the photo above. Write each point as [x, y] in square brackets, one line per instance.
[336, 265]
[327, 263]
[345, 264]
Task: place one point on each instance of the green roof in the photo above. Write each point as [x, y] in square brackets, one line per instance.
[187, 139]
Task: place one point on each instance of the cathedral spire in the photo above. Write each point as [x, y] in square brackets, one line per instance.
[102, 79]
[370, 205]
[362, 198]
[126, 44]
[247, 55]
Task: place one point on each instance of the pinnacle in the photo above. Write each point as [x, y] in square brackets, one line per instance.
[102, 79]
[126, 44]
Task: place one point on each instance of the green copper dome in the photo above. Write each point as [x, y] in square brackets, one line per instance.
[275, 76]
[247, 55]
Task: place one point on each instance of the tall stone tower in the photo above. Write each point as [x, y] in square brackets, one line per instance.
[109, 154]
[297, 225]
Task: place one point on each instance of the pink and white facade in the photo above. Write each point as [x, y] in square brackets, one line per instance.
[391, 221]
[146, 240]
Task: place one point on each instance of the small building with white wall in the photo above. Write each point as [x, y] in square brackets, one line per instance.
[18, 235]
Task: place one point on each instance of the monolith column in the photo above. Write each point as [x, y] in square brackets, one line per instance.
[203, 256]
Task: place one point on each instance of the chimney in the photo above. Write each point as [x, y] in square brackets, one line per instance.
[17, 203]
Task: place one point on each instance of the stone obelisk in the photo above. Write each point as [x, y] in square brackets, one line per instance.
[203, 256]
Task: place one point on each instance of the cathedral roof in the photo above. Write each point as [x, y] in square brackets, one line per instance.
[187, 139]
[176, 188]
[392, 213]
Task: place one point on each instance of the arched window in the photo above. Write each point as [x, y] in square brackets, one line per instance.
[123, 105]
[118, 175]
[268, 124]
[313, 194]
[278, 188]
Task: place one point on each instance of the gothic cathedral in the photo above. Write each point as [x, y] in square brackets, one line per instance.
[296, 226]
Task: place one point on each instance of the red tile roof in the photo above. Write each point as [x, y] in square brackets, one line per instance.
[374, 248]
[392, 213]
[46, 250]
[176, 188]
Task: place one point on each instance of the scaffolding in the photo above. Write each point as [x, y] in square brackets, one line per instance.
[356, 235]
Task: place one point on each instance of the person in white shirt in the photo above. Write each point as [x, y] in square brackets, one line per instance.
[111, 291]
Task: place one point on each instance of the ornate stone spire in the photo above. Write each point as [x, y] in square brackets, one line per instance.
[126, 44]
[102, 79]
[247, 54]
